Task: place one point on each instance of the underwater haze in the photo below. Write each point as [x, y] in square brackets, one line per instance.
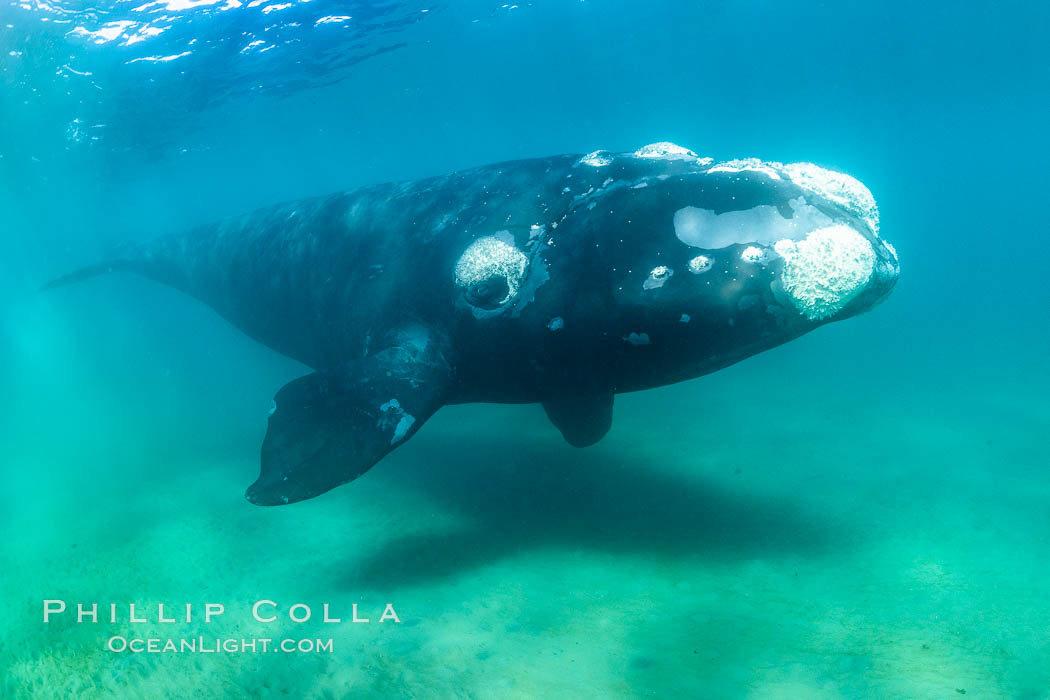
[861, 512]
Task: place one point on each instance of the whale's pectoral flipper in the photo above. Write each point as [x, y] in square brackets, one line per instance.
[330, 427]
[582, 420]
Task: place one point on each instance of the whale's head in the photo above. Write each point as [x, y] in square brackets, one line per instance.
[710, 262]
[650, 267]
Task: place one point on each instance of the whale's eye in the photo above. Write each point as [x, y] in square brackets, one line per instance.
[490, 272]
[488, 293]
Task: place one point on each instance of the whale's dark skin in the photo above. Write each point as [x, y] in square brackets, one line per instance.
[380, 291]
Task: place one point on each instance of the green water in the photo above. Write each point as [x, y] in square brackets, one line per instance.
[861, 513]
[778, 529]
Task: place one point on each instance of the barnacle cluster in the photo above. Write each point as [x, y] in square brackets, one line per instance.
[826, 270]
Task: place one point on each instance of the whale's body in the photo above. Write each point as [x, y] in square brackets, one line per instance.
[561, 280]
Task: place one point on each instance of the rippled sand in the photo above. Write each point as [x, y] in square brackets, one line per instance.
[785, 528]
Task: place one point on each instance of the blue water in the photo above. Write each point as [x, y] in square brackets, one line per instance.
[858, 513]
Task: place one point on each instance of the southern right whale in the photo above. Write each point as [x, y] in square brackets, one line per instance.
[561, 281]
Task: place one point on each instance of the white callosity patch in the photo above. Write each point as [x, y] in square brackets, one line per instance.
[686, 318]
[492, 256]
[665, 150]
[846, 191]
[703, 228]
[700, 264]
[597, 159]
[741, 165]
[637, 339]
[840, 188]
[753, 254]
[657, 277]
[556, 323]
[826, 270]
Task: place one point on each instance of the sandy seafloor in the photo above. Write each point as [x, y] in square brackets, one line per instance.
[793, 526]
